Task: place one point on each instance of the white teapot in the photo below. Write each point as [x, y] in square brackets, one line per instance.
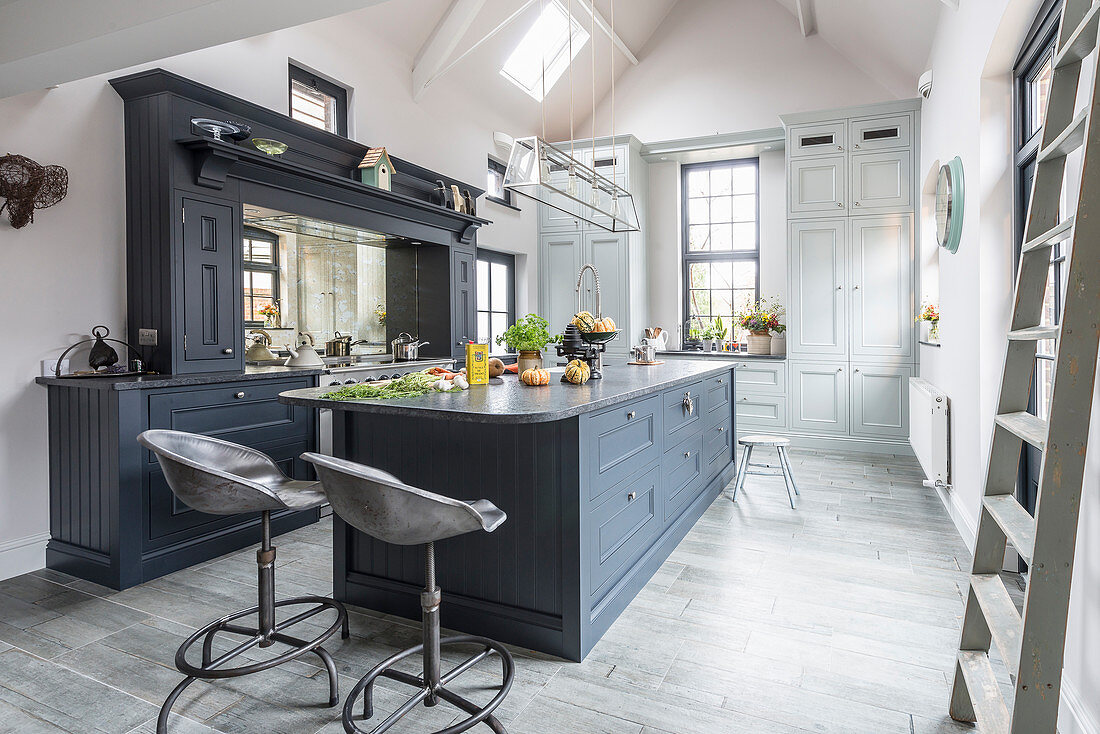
[303, 354]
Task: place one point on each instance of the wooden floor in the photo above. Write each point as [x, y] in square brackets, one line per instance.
[841, 616]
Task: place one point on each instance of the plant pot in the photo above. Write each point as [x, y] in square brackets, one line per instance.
[529, 359]
[691, 345]
[779, 344]
[760, 342]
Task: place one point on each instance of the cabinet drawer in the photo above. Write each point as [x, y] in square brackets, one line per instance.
[622, 526]
[880, 133]
[682, 475]
[621, 440]
[678, 420]
[758, 411]
[881, 182]
[761, 378]
[717, 393]
[717, 447]
[250, 411]
[817, 139]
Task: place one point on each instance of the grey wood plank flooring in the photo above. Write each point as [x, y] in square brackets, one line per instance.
[840, 616]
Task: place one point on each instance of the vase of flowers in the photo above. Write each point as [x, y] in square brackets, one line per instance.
[759, 320]
[779, 331]
[270, 312]
[929, 318]
[380, 314]
[528, 336]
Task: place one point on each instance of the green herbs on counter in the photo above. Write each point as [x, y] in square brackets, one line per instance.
[411, 385]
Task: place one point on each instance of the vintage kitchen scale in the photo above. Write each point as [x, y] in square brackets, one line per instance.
[586, 346]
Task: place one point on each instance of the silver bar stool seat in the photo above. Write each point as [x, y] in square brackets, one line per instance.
[744, 467]
[222, 478]
[382, 506]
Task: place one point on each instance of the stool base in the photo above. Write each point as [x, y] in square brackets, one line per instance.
[429, 695]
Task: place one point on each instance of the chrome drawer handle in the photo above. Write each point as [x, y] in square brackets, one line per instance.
[630, 415]
[689, 404]
[630, 496]
[239, 395]
[227, 350]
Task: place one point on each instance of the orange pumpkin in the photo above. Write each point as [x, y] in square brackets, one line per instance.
[535, 376]
[600, 327]
[609, 323]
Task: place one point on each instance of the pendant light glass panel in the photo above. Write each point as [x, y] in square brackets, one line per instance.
[542, 172]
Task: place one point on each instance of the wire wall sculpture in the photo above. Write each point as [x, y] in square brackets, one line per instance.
[26, 185]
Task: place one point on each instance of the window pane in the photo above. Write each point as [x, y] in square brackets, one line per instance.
[499, 294]
[482, 285]
[744, 274]
[744, 179]
[721, 274]
[699, 238]
[700, 275]
[721, 237]
[720, 182]
[495, 183]
[263, 284]
[744, 236]
[1044, 373]
[722, 304]
[500, 324]
[744, 208]
[312, 106]
[483, 329]
[698, 183]
[721, 209]
[1038, 88]
[700, 303]
[261, 251]
[698, 211]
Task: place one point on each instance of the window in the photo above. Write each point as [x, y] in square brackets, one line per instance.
[261, 274]
[494, 187]
[545, 44]
[721, 240]
[318, 102]
[496, 297]
[1033, 72]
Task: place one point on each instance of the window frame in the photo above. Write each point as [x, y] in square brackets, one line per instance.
[333, 89]
[255, 233]
[508, 260]
[501, 167]
[688, 257]
[552, 65]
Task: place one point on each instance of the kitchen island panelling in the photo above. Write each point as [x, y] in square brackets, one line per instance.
[600, 482]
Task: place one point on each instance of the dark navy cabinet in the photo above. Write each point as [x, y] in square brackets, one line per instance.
[463, 299]
[211, 312]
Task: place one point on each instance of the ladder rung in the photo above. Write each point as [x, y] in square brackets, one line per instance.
[1034, 333]
[1061, 231]
[1068, 140]
[1026, 426]
[985, 693]
[1001, 616]
[1081, 42]
[1014, 521]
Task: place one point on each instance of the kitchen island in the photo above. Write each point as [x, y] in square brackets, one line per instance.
[600, 482]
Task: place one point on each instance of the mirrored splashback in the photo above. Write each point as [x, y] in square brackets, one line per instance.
[316, 277]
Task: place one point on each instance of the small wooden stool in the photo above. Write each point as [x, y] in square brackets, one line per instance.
[783, 470]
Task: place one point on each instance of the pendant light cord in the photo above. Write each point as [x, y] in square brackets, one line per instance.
[592, 35]
[542, 9]
[569, 30]
[614, 156]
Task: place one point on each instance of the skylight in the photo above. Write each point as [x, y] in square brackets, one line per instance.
[548, 39]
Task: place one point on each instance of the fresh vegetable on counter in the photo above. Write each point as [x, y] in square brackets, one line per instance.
[411, 385]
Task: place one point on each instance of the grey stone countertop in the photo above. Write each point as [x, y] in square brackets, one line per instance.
[719, 355]
[506, 400]
[150, 382]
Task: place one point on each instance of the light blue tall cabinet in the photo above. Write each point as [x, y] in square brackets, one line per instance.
[852, 205]
[566, 242]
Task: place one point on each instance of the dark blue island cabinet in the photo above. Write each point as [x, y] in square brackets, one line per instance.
[600, 482]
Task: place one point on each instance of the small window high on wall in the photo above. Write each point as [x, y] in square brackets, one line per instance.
[318, 102]
[721, 241]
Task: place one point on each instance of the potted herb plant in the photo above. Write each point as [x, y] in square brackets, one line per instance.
[694, 338]
[759, 320]
[720, 332]
[528, 336]
[709, 336]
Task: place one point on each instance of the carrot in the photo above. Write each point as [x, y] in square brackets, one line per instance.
[513, 368]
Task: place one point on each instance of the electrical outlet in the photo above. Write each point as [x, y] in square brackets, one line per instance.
[48, 366]
[147, 337]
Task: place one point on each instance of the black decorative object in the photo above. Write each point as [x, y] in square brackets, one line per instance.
[244, 131]
[102, 357]
[218, 128]
[574, 346]
[470, 204]
[26, 185]
[442, 195]
[101, 354]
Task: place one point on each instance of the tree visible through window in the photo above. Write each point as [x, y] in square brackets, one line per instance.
[721, 240]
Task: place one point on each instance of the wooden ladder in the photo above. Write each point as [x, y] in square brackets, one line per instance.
[1032, 646]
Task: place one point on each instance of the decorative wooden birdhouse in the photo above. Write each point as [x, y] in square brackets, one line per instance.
[376, 168]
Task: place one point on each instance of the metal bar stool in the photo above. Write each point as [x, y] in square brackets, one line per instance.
[222, 478]
[783, 470]
[381, 506]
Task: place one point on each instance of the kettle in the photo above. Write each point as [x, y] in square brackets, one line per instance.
[303, 353]
[258, 350]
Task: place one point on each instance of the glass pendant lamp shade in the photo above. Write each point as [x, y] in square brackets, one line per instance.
[540, 171]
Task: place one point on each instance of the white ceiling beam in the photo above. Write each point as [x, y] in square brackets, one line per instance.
[604, 26]
[443, 41]
[807, 20]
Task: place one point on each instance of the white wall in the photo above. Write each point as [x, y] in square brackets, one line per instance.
[969, 115]
[66, 272]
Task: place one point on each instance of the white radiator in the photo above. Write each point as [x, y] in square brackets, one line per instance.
[928, 430]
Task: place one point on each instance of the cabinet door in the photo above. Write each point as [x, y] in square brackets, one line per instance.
[552, 218]
[881, 182]
[817, 322]
[463, 302]
[608, 252]
[817, 139]
[819, 392]
[818, 186]
[212, 308]
[880, 400]
[882, 302]
[561, 254]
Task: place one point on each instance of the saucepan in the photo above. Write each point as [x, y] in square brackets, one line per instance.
[406, 348]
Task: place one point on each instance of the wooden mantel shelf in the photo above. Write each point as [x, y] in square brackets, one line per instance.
[214, 160]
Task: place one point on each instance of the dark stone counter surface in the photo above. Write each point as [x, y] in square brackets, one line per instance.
[149, 382]
[506, 400]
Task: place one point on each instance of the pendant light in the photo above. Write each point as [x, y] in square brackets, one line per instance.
[550, 175]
